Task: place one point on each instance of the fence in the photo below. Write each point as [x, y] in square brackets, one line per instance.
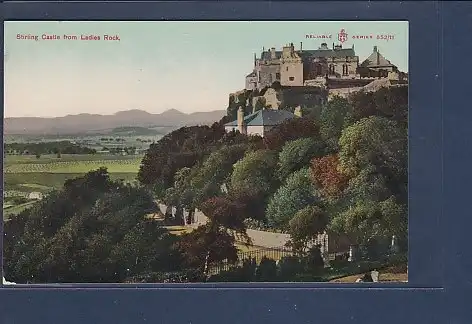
[270, 253]
[256, 255]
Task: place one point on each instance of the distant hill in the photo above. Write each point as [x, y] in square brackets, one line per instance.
[93, 123]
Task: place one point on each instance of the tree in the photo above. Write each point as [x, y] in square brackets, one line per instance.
[216, 171]
[373, 154]
[93, 230]
[377, 143]
[388, 102]
[297, 193]
[297, 154]
[214, 241]
[305, 226]
[290, 130]
[326, 176]
[370, 220]
[181, 148]
[223, 212]
[335, 116]
[254, 173]
[206, 245]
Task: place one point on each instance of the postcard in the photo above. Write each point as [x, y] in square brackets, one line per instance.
[193, 152]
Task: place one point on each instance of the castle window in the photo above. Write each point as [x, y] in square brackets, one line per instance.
[291, 78]
[331, 69]
[286, 69]
[277, 76]
[345, 69]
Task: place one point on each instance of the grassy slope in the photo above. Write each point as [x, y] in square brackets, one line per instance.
[15, 210]
[72, 164]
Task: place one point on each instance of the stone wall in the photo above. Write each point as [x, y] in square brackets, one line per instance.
[272, 98]
[291, 74]
[343, 92]
[268, 74]
[251, 82]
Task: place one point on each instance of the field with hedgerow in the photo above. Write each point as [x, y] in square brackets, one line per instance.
[27, 174]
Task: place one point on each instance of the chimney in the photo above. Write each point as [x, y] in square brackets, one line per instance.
[301, 46]
[298, 111]
[272, 53]
[240, 120]
[375, 49]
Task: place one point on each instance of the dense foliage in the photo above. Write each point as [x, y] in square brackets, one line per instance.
[93, 230]
[342, 170]
[64, 147]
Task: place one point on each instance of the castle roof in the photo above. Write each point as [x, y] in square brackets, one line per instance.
[252, 74]
[376, 60]
[265, 117]
[342, 52]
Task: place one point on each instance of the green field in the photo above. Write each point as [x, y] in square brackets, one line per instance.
[24, 174]
[71, 163]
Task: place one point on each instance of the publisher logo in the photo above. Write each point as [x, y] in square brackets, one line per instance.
[342, 36]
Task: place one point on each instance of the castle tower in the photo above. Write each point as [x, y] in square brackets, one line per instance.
[291, 67]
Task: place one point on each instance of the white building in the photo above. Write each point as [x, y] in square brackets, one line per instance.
[35, 195]
[261, 121]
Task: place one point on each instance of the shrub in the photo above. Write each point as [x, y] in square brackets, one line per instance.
[314, 260]
[267, 270]
[289, 267]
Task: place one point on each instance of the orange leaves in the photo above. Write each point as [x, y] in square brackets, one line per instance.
[325, 175]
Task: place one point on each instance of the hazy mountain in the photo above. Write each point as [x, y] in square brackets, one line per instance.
[86, 123]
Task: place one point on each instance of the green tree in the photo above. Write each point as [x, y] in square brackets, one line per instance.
[297, 154]
[254, 173]
[297, 193]
[335, 116]
[90, 231]
[305, 226]
[181, 148]
[216, 171]
[368, 221]
[373, 154]
[214, 242]
[377, 143]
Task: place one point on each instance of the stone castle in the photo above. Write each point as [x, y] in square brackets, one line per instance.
[284, 82]
[297, 68]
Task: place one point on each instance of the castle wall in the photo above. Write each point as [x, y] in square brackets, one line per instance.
[303, 96]
[268, 74]
[343, 92]
[291, 74]
[272, 98]
[251, 83]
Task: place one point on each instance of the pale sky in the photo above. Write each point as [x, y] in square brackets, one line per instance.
[189, 66]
